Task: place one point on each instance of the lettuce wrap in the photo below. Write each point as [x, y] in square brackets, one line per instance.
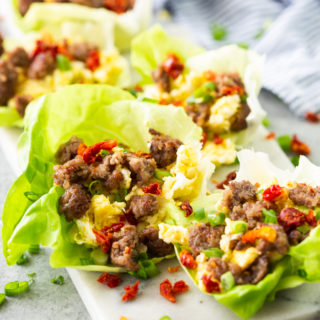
[93, 113]
[217, 88]
[214, 267]
[100, 26]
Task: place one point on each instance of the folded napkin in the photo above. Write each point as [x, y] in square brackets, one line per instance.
[288, 32]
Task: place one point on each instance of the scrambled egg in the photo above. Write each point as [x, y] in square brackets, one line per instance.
[173, 234]
[222, 111]
[244, 258]
[189, 174]
[224, 152]
[201, 270]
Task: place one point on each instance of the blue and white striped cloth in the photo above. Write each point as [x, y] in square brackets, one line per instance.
[291, 43]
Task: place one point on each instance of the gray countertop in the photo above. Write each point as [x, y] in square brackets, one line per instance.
[48, 301]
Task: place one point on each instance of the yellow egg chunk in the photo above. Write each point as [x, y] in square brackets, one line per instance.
[244, 258]
[173, 234]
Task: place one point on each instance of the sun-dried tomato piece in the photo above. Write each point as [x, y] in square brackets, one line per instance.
[177, 103]
[173, 269]
[131, 292]
[42, 47]
[137, 88]
[232, 90]
[272, 193]
[210, 285]
[265, 233]
[152, 188]
[173, 66]
[109, 279]
[81, 149]
[299, 147]
[204, 139]
[117, 6]
[312, 117]
[311, 218]
[210, 75]
[231, 176]
[113, 228]
[130, 217]
[291, 218]
[103, 240]
[187, 260]
[91, 154]
[93, 60]
[217, 139]
[270, 135]
[180, 287]
[185, 206]
[166, 290]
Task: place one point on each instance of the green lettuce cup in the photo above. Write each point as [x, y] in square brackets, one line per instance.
[217, 88]
[258, 236]
[35, 211]
[100, 26]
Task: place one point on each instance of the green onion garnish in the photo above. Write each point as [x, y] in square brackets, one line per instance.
[317, 213]
[160, 174]
[269, 216]
[23, 259]
[2, 298]
[285, 142]
[243, 45]
[236, 161]
[213, 253]
[227, 281]
[199, 214]
[209, 86]
[120, 195]
[218, 32]
[264, 28]
[34, 248]
[238, 227]
[86, 261]
[104, 153]
[165, 318]
[295, 160]
[14, 288]
[63, 63]
[304, 228]
[243, 98]
[151, 269]
[218, 220]
[31, 275]
[32, 196]
[134, 92]
[147, 269]
[266, 122]
[58, 280]
[145, 99]
[95, 187]
[302, 273]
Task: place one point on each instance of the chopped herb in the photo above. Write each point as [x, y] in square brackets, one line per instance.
[219, 219]
[238, 227]
[304, 228]
[58, 280]
[269, 216]
[227, 281]
[236, 161]
[95, 187]
[210, 85]
[302, 273]
[104, 153]
[31, 275]
[317, 214]
[260, 191]
[2, 298]
[34, 249]
[285, 142]
[264, 28]
[243, 45]
[147, 269]
[295, 160]
[134, 92]
[120, 195]
[199, 214]
[15, 288]
[32, 196]
[213, 253]
[63, 62]
[165, 318]
[160, 174]
[86, 261]
[145, 99]
[266, 122]
[218, 32]
[23, 259]
[243, 98]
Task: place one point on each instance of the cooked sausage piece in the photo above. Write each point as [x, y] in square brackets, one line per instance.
[199, 112]
[21, 103]
[164, 150]
[42, 65]
[124, 248]
[303, 195]
[19, 58]
[81, 51]
[1, 44]
[162, 78]
[68, 150]
[239, 120]
[8, 81]
[217, 267]
[156, 247]
[74, 202]
[24, 5]
[145, 205]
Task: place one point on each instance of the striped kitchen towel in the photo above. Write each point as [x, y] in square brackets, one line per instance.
[287, 31]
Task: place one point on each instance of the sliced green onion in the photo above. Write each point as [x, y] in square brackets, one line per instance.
[269, 216]
[266, 122]
[14, 288]
[295, 160]
[2, 298]
[199, 214]
[63, 62]
[142, 256]
[227, 281]
[260, 191]
[210, 85]
[285, 142]
[147, 269]
[218, 32]
[99, 257]
[213, 252]
[95, 187]
[302, 273]
[243, 98]
[304, 229]
[104, 153]
[243, 45]
[236, 161]
[150, 267]
[218, 220]
[120, 195]
[317, 213]
[160, 174]
[238, 227]
[23, 259]
[32, 196]
[86, 261]
[165, 318]
[134, 92]
[34, 248]
[145, 99]
[31, 275]
[265, 27]
[58, 280]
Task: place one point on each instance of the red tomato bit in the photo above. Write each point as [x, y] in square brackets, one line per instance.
[103, 240]
[110, 280]
[291, 218]
[152, 188]
[210, 75]
[173, 66]
[42, 47]
[187, 260]
[142, 154]
[173, 269]
[117, 6]
[311, 218]
[93, 60]
[265, 233]
[131, 292]
[217, 139]
[231, 176]
[204, 139]
[166, 290]
[270, 135]
[185, 206]
[81, 149]
[299, 147]
[91, 154]
[113, 228]
[180, 287]
[272, 193]
[312, 117]
[232, 90]
[211, 286]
